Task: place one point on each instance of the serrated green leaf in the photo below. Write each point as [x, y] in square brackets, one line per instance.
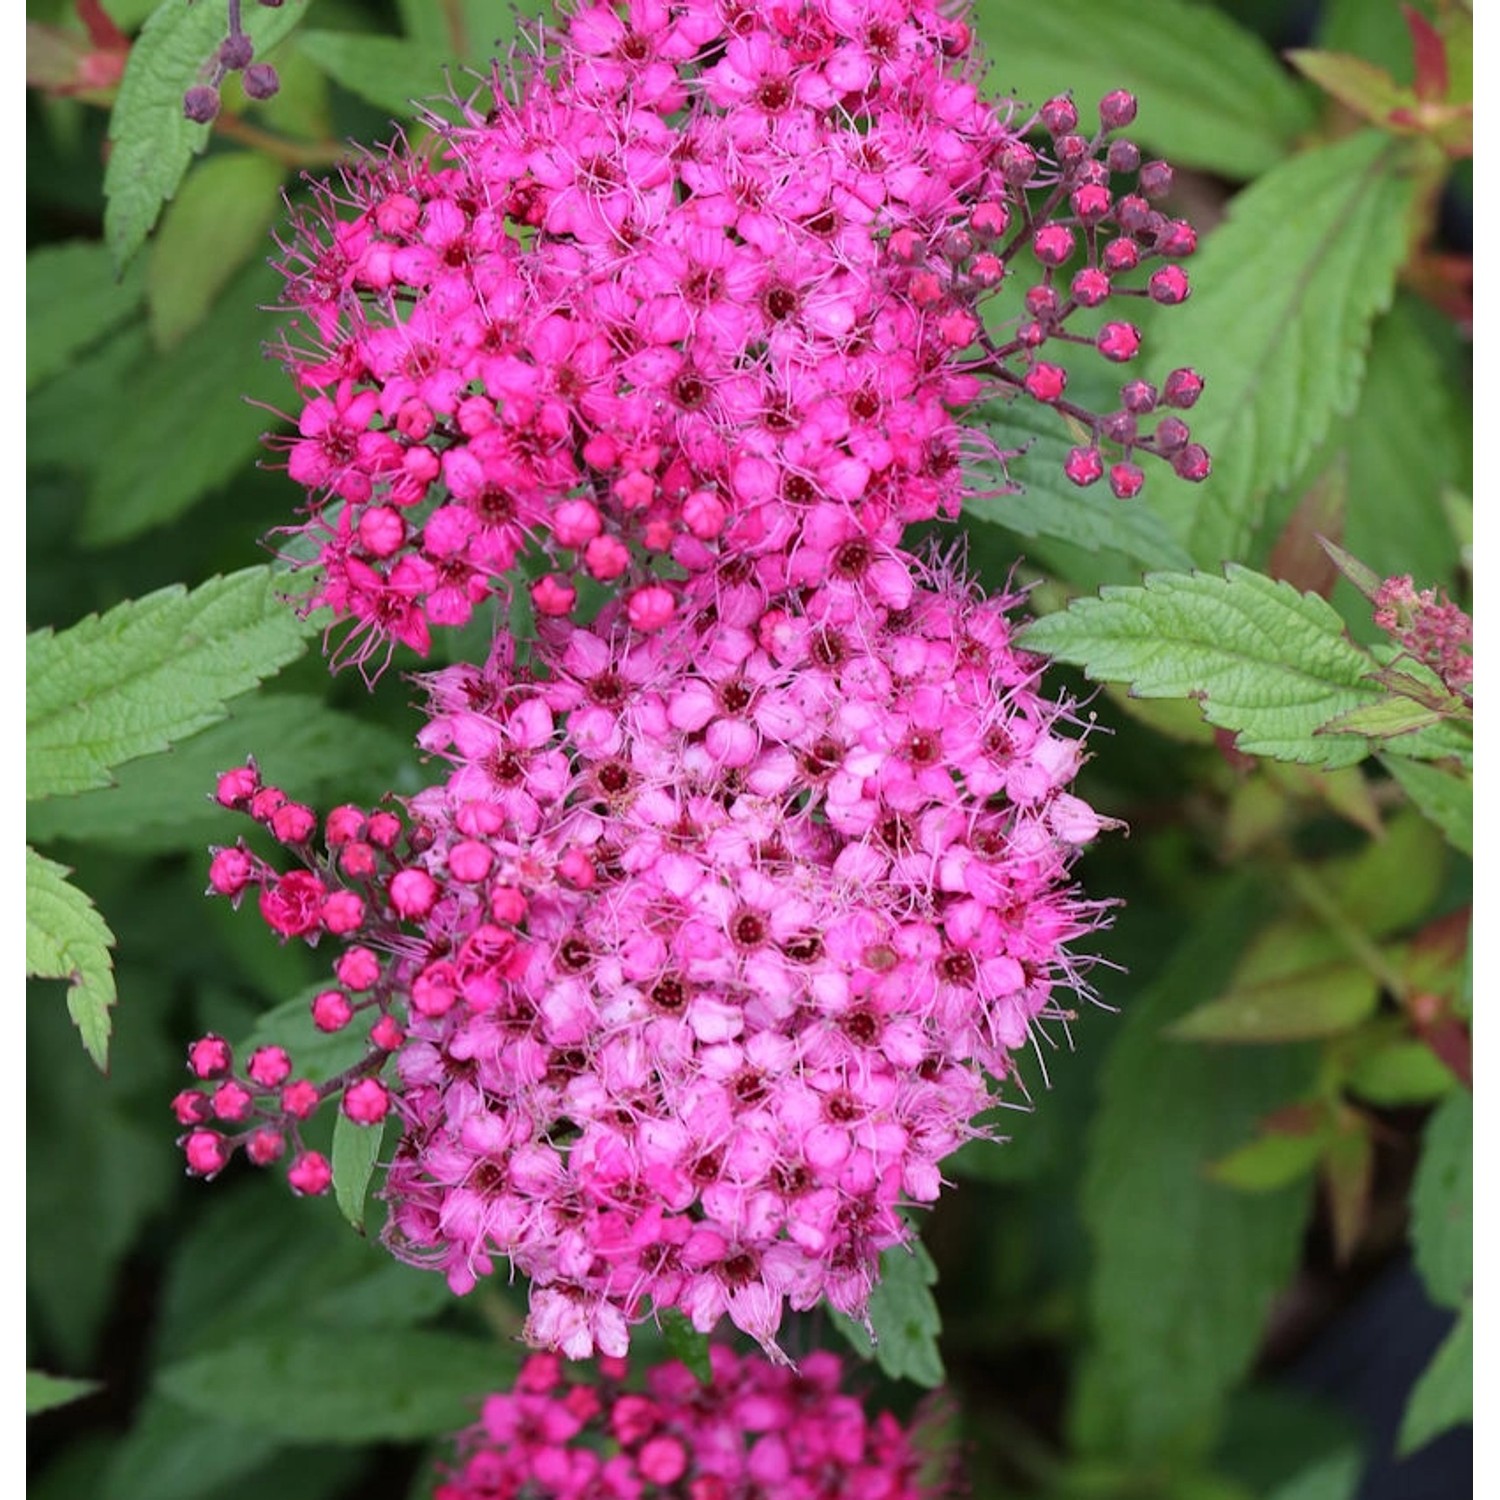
[904, 1317]
[356, 1149]
[1443, 1396]
[1267, 662]
[1170, 1341]
[389, 72]
[43, 1392]
[66, 938]
[202, 394]
[1442, 1202]
[350, 1386]
[150, 671]
[1048, 505]
[153, 142]
[688, 1345]
[209, 231]
[1212, 94]
[1444, 798]
[73, 299]
[161, 802]
[1285, 293]
[1402, 1073]
[1269, 1162]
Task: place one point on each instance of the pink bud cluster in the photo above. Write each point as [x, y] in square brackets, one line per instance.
[756, 1432]
[703, 953]
[1431, 629]
[699, 270]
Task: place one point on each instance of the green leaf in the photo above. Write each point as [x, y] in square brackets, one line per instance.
[1444, 1395]
[1332, 1478]
[1444, 798]
[356, 1149]
[1296, 982]
[1170, 1341]
[1269, 1162]
[1050, 506]
[66, 938]
[73, 299]
[1384, 719]
[152, 670]
[389, 72]
[1212, 94]
[200, 395]
[1286, 291]
[1267, 662]
[902, 1317]
[161, 802]
[1442, 1202]
[153, 142]
[688, 1345]
[213, 226]
[172, 1454]
[1401, 1073]
[1392, 882]
[1361, 86]
[1402, 446]
[349, 1386]
[43, 1392]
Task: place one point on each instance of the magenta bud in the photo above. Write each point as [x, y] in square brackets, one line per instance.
[1171, 435]
[310, 1175]
[1193, 463]
[1043, 302]
[1091, 203]
[201, 104]
[1045, 383]
[232, 1102]
[1052, 244]
[191, 1107]
[1182, 388]
[1017, 163]
[1071, 151]
[1116, 109]
[1119, 341]
[270, 1067]
[1169, 285]
[265, 1145]
[1121, 255]
[235, 788]
[1090, 287]
[1119, 427]
[1123, 156]
[210, 1057]
[207, 1152]
[1156, 179]
[1138, 396]
[331, 1010]
[1084, 466]
[235, 52]
[1126, 480]
[261, 80]
[1176, 238]
[367, 1102]
[1059, 115]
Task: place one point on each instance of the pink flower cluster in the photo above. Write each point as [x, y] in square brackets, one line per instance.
[705, 949]
[704, 268]
[1431, 629]
[741, 893]
[757, 1432]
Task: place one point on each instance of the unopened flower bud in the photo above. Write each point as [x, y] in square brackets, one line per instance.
[1117, 109]
[207, 1152]
[201, 104]
[310, 1175]
[261, 80]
